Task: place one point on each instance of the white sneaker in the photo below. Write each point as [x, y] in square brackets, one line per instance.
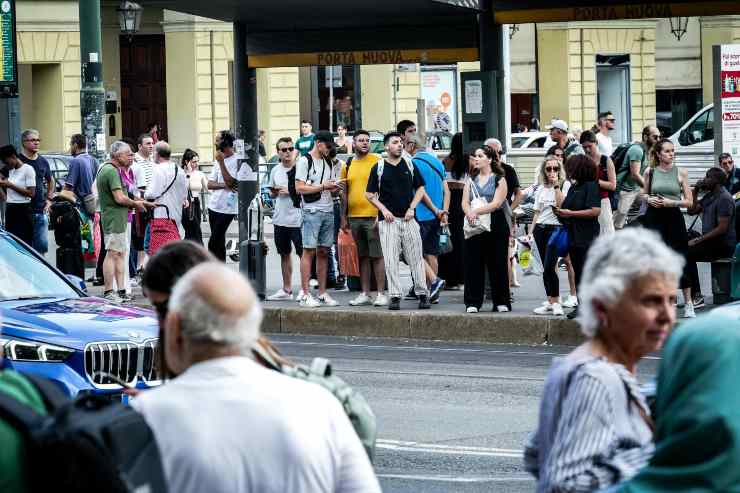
[381, 300]
[471, 309]
[300, 296]
[313, 283]
[557, 309]
[545, 309]
[570, 302]
[280, 295]
[310, 302]
[362, 299]
[327, 300]
[502, 308]
[688, 311]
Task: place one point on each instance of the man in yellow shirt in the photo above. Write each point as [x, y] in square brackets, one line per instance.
[361, 217]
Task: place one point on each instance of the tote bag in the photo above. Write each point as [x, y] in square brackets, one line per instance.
[162, 231]
[482, 223]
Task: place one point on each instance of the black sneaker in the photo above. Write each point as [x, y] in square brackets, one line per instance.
[424, 302]
[699, 301]
[572, 315]
[341, 283]
[98, 281]
[411, 295]
[395, 303]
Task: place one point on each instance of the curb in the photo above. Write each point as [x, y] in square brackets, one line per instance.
[441, 326]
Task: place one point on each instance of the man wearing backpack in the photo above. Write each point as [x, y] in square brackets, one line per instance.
[253, 429]
[359, 216]
[395, 188]
[559, 135]
[629, 160]
[315, 182]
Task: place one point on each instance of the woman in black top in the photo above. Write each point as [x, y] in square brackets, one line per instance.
[580, 209]
[451, 266]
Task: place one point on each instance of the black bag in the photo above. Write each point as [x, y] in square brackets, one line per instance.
[65, 221]
[619, 158]
[291, 189]
[313, 197]
[71, 261]
[86, 445]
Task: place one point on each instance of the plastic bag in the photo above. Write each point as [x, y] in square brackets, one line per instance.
[349, 261]
[445, 241]
[529, 259]
[560, 241]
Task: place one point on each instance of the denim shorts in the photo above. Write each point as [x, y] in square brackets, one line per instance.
[318, 229]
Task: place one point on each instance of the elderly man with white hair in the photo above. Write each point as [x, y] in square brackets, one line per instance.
[595, 428]
[168, 186]
[226, 424]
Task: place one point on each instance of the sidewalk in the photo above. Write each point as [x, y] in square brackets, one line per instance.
[446, 321]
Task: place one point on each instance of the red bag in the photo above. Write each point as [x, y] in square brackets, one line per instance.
[161, 232]
[349, 260]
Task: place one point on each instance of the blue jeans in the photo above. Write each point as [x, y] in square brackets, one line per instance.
[318, 229]
[40, 232]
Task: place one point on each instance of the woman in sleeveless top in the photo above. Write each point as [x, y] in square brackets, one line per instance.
[191, 215]
[487, 251]
[667, 191]
[607, 177]
[451, 267]
[344, 143]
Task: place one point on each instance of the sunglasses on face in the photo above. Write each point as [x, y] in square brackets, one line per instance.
[611, 120]
[287, 149]
[32, 140]
[552, 169]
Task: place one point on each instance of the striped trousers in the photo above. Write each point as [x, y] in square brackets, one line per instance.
[402, 237]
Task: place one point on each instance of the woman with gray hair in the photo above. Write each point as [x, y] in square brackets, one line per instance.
[595, 428]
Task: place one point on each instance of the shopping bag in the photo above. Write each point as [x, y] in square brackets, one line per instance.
[561, 241]
[349, 261]
[161, 232]
[529, 259]
[445, 241]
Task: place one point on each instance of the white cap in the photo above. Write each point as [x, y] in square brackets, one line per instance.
[559, 124]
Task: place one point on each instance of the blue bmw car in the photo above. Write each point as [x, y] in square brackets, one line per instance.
[50, 327]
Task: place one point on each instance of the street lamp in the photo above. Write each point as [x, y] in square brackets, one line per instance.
[513, 29]
[129, 17]
[679, 26]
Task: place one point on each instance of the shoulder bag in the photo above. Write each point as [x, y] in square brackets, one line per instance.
[162, 230]
[483, 223]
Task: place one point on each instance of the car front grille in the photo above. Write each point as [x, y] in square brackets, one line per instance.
[107, 364]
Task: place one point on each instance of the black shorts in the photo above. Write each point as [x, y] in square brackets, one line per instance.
[284, 236]
[429, 237]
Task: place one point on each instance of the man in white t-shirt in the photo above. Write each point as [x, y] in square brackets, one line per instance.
[315, 180]
[224, 423]
[223, 206]
[142, 168]
[286, 218]
[606, 124]
[168, 186]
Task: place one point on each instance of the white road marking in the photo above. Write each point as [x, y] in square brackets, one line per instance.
[457, 479]
[423, 348]
[433, 448]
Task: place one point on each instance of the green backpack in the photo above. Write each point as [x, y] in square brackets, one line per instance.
[320, 372]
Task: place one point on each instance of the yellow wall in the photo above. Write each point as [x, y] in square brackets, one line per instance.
[280, 107]
[111, 33]
[552, 47]
[376, 83]
[181, 90]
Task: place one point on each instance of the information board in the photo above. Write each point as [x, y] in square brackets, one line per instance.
[730, 98]
[8, 68]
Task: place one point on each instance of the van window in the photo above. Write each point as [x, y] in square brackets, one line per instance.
[700, 130]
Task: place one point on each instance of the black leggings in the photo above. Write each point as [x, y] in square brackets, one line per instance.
[219, 225]
[549, 256]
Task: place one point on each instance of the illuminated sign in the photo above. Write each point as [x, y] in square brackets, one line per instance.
[608, 12]
[372, 57]
[8, 69]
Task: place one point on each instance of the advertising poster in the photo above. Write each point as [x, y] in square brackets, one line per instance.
[730, 78]
[439, 91]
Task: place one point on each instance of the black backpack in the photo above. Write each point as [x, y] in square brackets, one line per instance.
[65, 220]
[619, 158]
[87, 445]
[291, 189]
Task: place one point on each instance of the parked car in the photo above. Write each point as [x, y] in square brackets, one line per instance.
[50, 327]
[697, 132]
[59, 164]
[529, 140]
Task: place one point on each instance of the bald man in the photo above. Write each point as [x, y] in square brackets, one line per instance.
[225, 423]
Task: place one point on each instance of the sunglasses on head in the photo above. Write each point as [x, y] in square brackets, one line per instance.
[552, 168]
[287, 149]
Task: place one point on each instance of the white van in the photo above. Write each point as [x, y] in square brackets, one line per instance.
[698, 132]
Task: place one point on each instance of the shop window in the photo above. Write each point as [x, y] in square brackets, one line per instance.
[338, 97]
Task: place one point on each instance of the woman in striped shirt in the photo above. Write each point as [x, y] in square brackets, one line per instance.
[595, 428]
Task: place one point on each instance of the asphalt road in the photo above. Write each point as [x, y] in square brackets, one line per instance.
[451, 417]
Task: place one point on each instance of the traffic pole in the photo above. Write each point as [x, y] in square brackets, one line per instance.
[92, 92]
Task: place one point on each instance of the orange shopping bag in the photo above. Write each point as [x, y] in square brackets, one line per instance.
[349, 261]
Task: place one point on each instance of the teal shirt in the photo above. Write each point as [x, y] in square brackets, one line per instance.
[665, 183]
[305, 144]
[13, 472]
[634, 153]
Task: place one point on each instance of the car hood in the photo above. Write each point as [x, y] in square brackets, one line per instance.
[75, 322]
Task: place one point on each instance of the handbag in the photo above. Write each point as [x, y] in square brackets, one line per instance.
[162, 231]
[692, 234]
[560, 240]
[483, 222]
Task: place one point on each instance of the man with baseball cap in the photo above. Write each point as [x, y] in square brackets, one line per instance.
[559, 135]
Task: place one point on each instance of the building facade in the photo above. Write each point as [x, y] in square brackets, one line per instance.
[177, 71]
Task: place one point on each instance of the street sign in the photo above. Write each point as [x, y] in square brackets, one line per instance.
[8, 60]
[606, 10]
[369, 57]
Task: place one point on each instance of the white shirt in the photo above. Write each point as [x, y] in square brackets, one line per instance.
[285, 214]
[606, 147]
[143, 169]
[24, 177]
[229, 425]
[325, 203]
[544, 199]
[174, 198]
[224, 200]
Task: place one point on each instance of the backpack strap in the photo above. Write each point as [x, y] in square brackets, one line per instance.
[431, 165]
[52, 395]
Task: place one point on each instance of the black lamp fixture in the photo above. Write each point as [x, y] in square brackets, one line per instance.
[679, 25]
[129, 17]
[513, 29]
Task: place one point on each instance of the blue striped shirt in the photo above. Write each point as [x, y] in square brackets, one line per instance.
[591, 433]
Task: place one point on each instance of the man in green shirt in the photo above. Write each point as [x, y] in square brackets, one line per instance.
[629, 179]
[114, 208]
[305, 142]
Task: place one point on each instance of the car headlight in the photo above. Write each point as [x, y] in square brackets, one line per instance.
[31, 351]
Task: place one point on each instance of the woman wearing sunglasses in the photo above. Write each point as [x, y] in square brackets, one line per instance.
[544, 224]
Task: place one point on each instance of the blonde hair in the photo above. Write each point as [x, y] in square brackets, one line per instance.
[542, 174]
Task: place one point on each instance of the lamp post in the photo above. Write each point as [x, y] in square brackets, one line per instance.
[92, 93]
[129, 17]
[679, 25]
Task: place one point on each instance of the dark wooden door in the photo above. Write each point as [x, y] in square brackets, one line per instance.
[143, 93]
[521, 110]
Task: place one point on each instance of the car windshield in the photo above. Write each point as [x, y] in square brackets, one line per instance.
[517, 142]
[23, 276]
